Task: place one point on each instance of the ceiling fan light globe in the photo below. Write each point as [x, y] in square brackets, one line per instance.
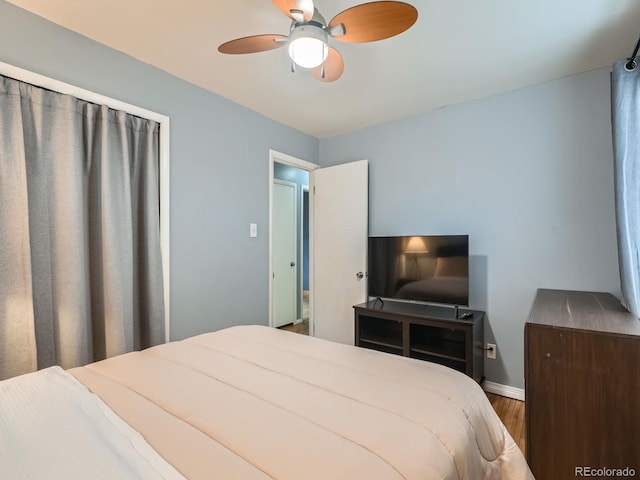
[308, 52]
[308, 45]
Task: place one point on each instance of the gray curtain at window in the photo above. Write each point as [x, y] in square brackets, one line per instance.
[80, 265]
[625, 104]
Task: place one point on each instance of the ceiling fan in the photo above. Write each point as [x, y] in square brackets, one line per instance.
[308, 38]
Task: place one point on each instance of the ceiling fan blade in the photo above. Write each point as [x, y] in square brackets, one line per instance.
[253, 44]
[296, 9]
[373, 21]
[333, 67]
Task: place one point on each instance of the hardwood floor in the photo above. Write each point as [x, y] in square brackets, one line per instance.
[511, 412]
[301, 328]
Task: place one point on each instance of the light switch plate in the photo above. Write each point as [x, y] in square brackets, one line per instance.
[253, 230]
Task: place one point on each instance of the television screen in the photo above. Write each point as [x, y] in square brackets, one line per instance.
[425, 268]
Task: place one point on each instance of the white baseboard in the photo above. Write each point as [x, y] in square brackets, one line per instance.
[503, 390]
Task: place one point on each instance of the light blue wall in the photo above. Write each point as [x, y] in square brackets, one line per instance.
[219, 169]
[527, 174]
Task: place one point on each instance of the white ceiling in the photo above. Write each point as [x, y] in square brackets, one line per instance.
[458, 50]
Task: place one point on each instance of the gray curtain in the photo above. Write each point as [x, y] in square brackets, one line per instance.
[625, 104]
[80, 265]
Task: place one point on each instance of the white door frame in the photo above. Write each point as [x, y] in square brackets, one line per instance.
[93, 97]
[275, 156]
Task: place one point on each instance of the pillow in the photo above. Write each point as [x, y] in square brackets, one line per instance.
[452, 267]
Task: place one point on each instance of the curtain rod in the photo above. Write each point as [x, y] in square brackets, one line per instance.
[632, 64]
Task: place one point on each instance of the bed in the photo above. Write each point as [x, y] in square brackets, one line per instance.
[252, 402]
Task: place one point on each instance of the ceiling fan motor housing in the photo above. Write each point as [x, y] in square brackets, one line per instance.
[317, 20]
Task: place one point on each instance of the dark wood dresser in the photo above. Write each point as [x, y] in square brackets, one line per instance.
[582, 386]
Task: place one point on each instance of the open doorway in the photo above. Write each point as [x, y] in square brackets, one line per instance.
[290, 293]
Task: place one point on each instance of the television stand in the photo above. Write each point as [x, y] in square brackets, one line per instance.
[426, 332]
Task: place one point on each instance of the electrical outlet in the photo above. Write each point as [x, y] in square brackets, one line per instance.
[492, 351]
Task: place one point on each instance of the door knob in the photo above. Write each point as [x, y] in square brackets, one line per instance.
[293, 264]
[359, 275]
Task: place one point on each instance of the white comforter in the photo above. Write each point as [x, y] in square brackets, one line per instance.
[52, 427]
[257, 403]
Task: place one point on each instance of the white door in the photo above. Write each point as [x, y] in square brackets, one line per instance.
[339, 203]
[284, 253]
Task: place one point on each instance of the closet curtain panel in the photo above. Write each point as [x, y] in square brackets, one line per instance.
[80, 264]
[625, 104]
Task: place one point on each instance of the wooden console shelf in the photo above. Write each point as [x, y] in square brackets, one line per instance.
[426, 332]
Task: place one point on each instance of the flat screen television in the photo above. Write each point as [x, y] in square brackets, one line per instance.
[422, 268]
